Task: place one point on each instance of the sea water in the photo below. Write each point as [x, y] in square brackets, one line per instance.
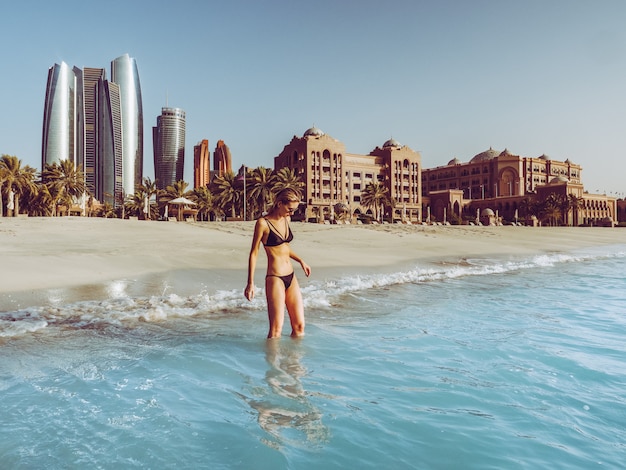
[516, 363]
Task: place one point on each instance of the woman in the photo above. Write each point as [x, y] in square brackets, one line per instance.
[281, 285]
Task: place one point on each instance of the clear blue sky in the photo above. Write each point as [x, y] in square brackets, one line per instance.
[447, 78]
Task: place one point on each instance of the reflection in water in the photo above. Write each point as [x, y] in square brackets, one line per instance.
[284, 410]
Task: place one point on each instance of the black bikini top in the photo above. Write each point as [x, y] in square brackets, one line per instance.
[274, 238]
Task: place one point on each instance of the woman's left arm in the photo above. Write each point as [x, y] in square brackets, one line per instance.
[305, 267]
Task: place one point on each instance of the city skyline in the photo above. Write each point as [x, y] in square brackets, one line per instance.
[449, 80]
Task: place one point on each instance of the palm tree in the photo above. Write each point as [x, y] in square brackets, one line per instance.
[147, 188]
[18, 180]
[552, 208]
[227, 192]
[260, 185]
[135, 204]
[287, 178]
[65, 182]
[205, 202]
[3, 174]
[108, 211]
[375, 195]
[178, 189]
[574, 205]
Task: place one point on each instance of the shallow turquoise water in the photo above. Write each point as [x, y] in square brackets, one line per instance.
[516, 363]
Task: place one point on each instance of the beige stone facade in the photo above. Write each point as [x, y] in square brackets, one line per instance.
[506, 183]
[335, 179]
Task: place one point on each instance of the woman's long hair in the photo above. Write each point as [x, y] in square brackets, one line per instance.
[285, 196]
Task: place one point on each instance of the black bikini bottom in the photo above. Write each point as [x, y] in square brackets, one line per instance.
[286, 279]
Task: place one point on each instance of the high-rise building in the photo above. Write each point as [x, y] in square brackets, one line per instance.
[61, 117]
[222, 161]
[168, 138]
[92, 81]
[97, 124]
[201, 164]
[124, 72]
[110, 157]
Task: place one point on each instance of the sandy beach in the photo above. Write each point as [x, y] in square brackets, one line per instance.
[46, 253]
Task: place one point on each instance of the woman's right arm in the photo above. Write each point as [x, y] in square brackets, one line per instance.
[254, 253]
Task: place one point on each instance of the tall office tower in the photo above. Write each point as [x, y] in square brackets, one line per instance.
[124, 72]
[168, 139]
[91, 82]
[201, 164]
[222, 161]
[62, 120]
[109, 147]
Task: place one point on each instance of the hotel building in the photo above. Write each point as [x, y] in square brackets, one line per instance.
[492, 187]
[333, 176]
[168, 138]
[503, 184]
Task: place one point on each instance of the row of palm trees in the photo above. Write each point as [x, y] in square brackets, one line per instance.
[62, 185]
[555, 209]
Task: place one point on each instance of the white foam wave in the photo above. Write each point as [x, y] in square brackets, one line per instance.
[121, 309]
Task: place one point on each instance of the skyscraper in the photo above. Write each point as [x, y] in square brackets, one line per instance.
[97, 124]
[61, 117]
[124, 72]
[222, 160]
[201, 164]
[168, 138]
[110, 157]
[92, 81]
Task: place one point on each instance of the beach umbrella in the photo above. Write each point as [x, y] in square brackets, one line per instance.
[183, 201]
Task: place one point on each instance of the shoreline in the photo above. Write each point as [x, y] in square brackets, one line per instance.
[88, 255]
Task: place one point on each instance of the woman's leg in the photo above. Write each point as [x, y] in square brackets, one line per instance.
[295, 308]
[275, 295]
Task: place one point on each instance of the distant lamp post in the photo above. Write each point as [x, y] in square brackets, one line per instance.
[244, 194]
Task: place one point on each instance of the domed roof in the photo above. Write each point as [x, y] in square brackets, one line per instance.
[559, 179]
[392, 143]
[544, 157]
[485, 156]
[454, 161]
[487, 212]
[313, 132]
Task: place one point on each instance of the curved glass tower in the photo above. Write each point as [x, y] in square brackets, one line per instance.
[61, 117]
[109, 153]
[124, 72]
[169, 147]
